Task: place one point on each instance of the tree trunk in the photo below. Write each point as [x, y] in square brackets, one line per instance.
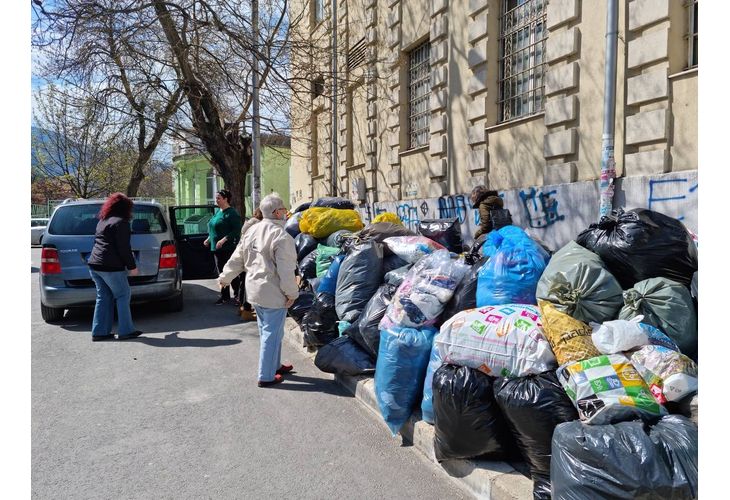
[228, 149]
[136, 178]
[233, 165]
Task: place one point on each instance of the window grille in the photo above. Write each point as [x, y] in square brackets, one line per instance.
[357, 54]
[419, 91]
[209, 188]
[522, 40]
[692, 34]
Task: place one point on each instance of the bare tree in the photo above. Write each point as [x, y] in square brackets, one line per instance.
[148, 54]
[115, 56]
[74, 143]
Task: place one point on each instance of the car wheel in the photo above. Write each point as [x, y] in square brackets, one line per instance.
[51, 314]
[175, 304]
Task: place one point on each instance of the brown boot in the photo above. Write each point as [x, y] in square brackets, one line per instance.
[248, 315]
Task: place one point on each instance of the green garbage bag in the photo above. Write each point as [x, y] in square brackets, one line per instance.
[668, 306]
[577, 282]
[325, 256]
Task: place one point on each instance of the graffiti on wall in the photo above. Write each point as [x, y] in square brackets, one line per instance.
[408, 215]
[556, 213]
[541, 207]
[452, 206]
[663, 192]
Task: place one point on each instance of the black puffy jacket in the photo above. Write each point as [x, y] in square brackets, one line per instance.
[112, 250]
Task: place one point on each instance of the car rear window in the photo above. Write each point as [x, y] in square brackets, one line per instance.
[80, 220]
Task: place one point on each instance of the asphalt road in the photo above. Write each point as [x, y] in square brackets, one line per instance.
[177, 414]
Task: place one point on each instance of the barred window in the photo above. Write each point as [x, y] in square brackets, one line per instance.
[419, 91]
[522, 39]
[317, 87]
[692, 34]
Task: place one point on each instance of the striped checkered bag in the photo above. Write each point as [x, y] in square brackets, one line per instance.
[506, 340]
[608, 389]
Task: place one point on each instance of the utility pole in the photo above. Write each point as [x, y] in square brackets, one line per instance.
[256, 142]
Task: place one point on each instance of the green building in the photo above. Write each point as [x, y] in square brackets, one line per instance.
[194, 182]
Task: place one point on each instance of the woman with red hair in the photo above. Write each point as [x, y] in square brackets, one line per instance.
[110, 263]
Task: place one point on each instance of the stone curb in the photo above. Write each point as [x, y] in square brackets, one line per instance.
[484, 479]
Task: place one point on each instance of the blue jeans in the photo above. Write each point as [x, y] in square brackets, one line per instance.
[111, 287]
[271, 329]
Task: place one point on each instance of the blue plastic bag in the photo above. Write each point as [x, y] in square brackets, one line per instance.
[512, 272]
[400, 371]
[492, 243]
[495, 238]
[434, 363]
[328, 282]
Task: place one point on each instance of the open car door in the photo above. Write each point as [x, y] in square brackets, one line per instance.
[190, 226]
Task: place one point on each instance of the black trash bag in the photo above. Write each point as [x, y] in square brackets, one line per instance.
[447, 232]
[465, 295]
[314, 283]
[467, 420]
[338, 238]
[639, 244]
[396, 276]
[344, 357]
[308, 265]
[320, 323]
[367, 333]
[302, 305]
[361, 273]
[353, 331]
[302, 207]
[392, 262]
[304, 243]
[533, 406]
[292, 225]
[476, 249]
[626, 460]
[333, 202]
[678, 437]
[381, 230]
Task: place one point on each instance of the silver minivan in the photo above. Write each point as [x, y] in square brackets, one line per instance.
[65, 281]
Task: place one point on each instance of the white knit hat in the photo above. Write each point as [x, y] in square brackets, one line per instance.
[269, 204]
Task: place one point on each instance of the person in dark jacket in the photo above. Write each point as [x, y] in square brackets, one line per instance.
[485, 200]
[110, 262]
[224, 231]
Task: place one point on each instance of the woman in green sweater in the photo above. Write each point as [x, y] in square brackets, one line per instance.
[224, 230]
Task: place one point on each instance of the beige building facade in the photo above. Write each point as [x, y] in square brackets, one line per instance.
[436, 97]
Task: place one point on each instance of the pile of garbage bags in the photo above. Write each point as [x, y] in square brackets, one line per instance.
[576, 361]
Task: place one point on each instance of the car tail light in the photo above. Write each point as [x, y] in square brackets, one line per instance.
[49, 261]
[168, 257]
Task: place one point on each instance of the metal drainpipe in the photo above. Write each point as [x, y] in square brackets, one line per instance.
[608, 163]
[256, 139]
[335, 131]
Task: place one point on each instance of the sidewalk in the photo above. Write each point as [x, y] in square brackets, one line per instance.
[488, 480]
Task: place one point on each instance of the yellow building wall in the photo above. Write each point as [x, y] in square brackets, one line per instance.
[531, 151]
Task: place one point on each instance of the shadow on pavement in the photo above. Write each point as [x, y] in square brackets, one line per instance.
[294, 382]
[199, 313]
[173, 340]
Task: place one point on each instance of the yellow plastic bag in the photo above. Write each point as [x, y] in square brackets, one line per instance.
[570, 338]
[320, 222]
[388, 217]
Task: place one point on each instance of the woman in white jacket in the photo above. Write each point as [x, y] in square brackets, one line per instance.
[268, 256]
[245, 309]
